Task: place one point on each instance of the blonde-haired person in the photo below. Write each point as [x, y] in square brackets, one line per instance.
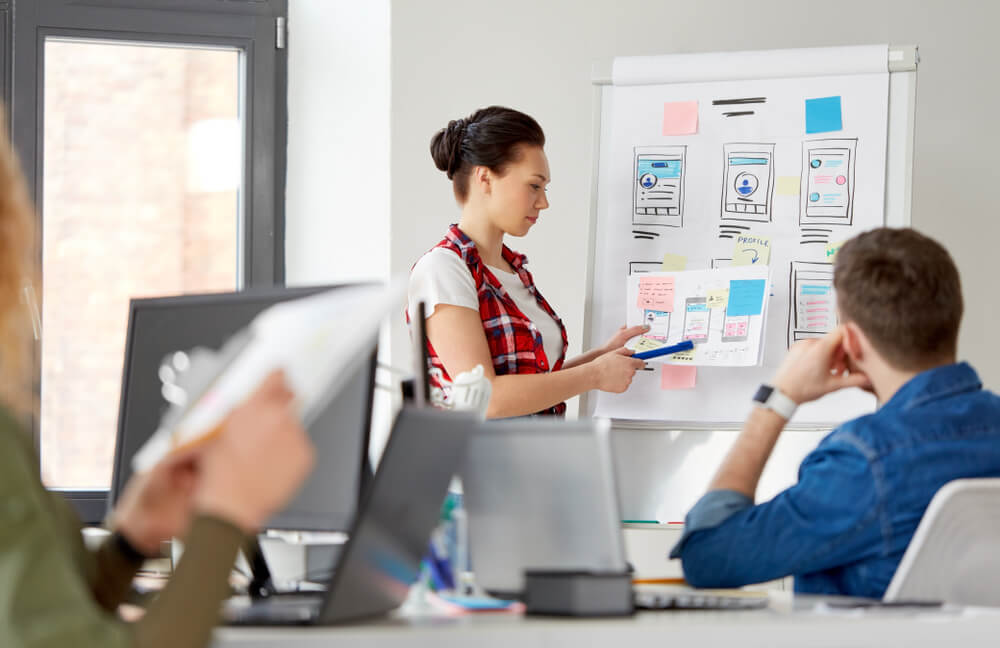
[53, 591]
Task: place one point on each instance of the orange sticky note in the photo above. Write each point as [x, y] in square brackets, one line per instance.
[656, 293]
[680, 118]
[678, 377]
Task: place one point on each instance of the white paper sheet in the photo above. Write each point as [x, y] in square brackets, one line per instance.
[723, 336]
[314, 340]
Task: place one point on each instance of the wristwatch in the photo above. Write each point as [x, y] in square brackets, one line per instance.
[771, 398]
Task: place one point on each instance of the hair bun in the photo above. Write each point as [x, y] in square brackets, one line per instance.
[446, 146]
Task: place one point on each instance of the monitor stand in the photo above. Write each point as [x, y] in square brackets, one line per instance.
[261, 584]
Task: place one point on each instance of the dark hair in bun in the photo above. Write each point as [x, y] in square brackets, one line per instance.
[488, 137]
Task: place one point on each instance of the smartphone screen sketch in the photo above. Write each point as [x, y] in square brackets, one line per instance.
[658, 323]
[735, 328]
[696, 319]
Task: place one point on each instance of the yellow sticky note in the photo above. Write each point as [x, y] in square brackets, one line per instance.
[683, 356]
[673, 262]
[832, 249]
[718, 298]
[787, 186]
[751, 249]
[645, 344]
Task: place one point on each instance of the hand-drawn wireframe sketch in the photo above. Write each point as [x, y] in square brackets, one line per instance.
[647, 234]
[638, 267]
[658, 186]
[730, 230]
[735, 328]
[808, 235]
[693, 304]
[812, 307]
[720, 262]
[748, 182]
[827, 193]
[697, 318]
[658, 323]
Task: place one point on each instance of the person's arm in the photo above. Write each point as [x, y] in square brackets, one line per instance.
[829, 518]
[457, 335]
[617, 341]
[46, 597]
[48, 601]
[811, 369]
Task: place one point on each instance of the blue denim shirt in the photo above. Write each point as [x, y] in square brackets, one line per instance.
[843, 528]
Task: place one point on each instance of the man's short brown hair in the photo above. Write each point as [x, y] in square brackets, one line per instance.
[902, 289]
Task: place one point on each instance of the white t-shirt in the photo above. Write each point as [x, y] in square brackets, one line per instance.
[442, 277]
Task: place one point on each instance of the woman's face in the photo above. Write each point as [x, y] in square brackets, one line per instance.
[517, 196]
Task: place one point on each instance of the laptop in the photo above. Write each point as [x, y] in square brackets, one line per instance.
[389, 536]
[541, 494]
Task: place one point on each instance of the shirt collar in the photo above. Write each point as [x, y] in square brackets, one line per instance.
[935, 384]
[460, 238]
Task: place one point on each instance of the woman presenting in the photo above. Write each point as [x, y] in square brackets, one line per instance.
[482, 306]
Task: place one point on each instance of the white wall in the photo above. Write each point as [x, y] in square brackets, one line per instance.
[450, 57]
[337, 207]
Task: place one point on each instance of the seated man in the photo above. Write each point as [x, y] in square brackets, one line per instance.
[843, 528]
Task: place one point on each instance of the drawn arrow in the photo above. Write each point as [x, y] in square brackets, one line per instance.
[756, 255]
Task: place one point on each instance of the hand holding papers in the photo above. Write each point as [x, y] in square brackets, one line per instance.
[314, 340]
[720, 311]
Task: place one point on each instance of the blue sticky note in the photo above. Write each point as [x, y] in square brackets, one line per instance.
[823, 115]
[746, 297]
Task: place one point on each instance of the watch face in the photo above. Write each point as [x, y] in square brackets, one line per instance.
[763, 393]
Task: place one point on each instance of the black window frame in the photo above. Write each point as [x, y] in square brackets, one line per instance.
[257, 27]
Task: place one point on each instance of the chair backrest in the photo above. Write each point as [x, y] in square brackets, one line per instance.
[953, 556]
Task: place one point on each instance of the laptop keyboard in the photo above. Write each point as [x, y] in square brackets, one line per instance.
[698, 600]
[286, 609]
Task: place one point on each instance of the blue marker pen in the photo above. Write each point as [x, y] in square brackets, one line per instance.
[686, 345]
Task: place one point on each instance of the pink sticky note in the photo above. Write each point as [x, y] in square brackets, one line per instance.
[656, 293]
[678, 377]
[680, 118]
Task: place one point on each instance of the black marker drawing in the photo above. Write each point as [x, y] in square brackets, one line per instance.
[748, 182]
[639, 267]
[812, 303]
[646, 233]
[827, 193]
[658, 186]
[738, 113]
[738, 102]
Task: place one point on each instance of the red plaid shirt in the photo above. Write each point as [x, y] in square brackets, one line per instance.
[515, 343]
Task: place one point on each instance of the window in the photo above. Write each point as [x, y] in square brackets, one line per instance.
[152, 135]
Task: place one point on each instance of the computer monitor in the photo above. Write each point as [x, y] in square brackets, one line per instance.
[158, 327]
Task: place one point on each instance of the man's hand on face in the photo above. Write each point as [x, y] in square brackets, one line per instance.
[814, 368]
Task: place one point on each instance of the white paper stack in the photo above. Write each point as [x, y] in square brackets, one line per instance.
[314, 340]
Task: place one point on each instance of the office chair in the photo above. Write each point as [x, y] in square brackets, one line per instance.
[953, 556]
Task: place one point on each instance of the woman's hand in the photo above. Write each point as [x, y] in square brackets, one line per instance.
[613, 370]
[623, 335]
[258, 460]
[157, 505]
[246, 473]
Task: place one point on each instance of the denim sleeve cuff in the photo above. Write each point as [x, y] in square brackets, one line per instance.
[714, 508]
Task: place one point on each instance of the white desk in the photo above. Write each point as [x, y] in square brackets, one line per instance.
[781, 625]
